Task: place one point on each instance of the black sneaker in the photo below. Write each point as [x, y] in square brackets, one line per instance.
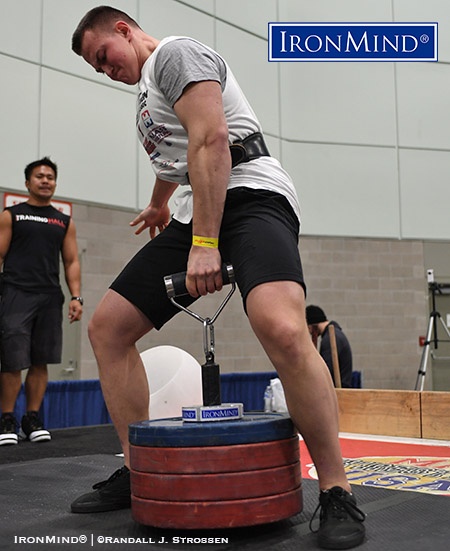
[109, 495]
[33, 429]
[8, 429]
[340, 520]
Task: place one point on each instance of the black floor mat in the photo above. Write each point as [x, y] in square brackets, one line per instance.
[65, 443]
[36, 497]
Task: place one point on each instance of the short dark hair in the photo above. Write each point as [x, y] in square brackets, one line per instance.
[101, 16]
[46, 161]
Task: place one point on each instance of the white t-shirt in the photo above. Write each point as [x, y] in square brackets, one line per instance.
[176, 62]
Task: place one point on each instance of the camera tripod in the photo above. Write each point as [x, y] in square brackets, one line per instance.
[431, 331]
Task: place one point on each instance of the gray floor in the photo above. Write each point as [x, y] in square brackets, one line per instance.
[36, 495]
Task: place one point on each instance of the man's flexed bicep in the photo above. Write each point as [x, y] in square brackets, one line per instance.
[200, 111]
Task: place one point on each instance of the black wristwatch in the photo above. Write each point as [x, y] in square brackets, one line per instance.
[80, 299]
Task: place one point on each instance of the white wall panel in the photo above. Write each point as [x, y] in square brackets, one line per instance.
[90, 131]
[203, 5]
[61, 18]
[175, 20]
[424, 104]
[425, 194]
[251, 15]
[314, 114]
[330, 10]
[257, 78]
[338, 102]
[343, 190]
[19, 119]
[21, 28]
[274, 146]
[431, 11]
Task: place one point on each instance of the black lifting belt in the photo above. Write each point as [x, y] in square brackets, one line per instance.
[249, 148]
[245, 150]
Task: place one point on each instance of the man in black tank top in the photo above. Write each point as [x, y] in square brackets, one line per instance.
[33, 235]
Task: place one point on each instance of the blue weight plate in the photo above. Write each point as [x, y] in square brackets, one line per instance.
[173, 432]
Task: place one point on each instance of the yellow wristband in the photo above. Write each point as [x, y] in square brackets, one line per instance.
[211, 242]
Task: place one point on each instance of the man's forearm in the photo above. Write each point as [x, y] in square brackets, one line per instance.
[73, 278]
[210, 175]
[162, 192]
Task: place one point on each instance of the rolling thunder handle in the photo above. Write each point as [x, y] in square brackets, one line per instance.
[176, 287]
[176, 283]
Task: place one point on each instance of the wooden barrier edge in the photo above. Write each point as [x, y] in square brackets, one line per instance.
[435, 407]
[404, 413]
[380, 412]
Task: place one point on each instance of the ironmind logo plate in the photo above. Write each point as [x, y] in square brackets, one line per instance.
[353, 42]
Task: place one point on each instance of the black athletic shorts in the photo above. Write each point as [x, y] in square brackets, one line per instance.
[258, 236]
[30, 328]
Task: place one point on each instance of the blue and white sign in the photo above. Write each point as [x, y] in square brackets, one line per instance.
[223, 412]
[353, 42]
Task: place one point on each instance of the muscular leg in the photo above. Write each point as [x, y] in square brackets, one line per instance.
[35, 386]
[114, 329]
[10, 383]
[276, 312]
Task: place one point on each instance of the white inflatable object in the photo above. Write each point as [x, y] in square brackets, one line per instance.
[174, 379]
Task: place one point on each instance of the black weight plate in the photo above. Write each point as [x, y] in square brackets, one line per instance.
[173, 432]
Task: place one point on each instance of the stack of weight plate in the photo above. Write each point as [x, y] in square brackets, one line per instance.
[219, 474]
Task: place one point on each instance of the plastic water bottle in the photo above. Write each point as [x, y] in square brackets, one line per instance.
[268, 399]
